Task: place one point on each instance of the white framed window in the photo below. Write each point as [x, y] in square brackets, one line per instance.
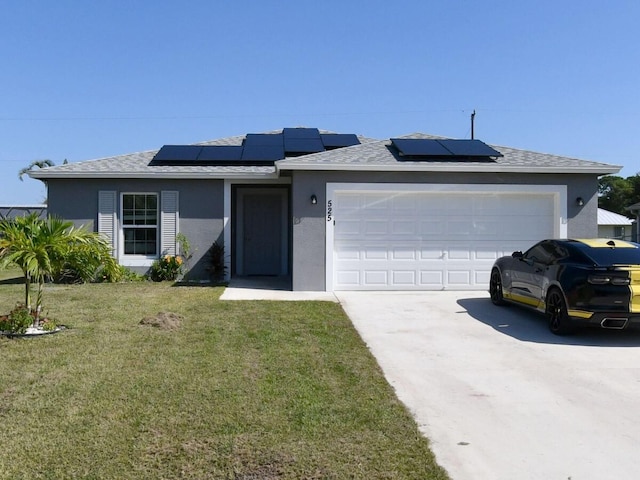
[140, 222]
[141, 227]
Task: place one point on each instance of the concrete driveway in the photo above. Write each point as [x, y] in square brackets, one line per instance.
[499, 396]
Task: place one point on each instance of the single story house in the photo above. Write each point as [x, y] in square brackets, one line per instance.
[614, 225]
[332, 211]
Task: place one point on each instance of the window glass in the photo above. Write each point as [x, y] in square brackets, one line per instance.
[537, 253]
[140, 223]
[614, 256]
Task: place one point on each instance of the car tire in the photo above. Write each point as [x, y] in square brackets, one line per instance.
[557, 316]
[495, 287]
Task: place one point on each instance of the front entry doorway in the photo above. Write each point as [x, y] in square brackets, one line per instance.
[261, 238]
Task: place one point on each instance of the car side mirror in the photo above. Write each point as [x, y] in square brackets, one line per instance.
[517, 254]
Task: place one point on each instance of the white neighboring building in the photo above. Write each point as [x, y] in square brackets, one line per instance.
[614, 225]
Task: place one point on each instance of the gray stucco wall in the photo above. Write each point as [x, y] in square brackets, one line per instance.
[201, 208]
[308, 243]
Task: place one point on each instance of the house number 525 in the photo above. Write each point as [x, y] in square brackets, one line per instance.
[329, 210]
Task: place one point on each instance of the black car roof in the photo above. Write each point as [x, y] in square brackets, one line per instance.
[605, 251]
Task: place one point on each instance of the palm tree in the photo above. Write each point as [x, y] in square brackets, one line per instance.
[43, 248]
[36, 163]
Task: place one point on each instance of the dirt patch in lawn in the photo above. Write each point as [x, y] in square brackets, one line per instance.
[163, 321]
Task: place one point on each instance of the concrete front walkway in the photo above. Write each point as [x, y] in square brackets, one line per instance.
[499, 396]
[269, 288]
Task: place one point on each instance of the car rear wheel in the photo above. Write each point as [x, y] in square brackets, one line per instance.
[495, 287]
[559, 321]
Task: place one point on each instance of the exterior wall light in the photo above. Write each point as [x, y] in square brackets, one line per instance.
[314, 199]
[579, 201]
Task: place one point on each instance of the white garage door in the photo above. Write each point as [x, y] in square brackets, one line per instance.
[430, 240]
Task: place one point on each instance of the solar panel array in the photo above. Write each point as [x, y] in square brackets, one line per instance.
[262, 149]
[443, 149]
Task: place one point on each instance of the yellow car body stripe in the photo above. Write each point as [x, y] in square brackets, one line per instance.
[634, 288]
[603, 243]
[580, 314]
[521, 299]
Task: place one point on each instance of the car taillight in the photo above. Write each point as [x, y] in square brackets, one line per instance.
[608, 279]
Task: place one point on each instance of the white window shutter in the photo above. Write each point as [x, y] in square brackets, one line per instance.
[107, 217]
[168, 222]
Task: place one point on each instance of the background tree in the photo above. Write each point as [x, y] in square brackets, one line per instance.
[32, 165]
[616, 193]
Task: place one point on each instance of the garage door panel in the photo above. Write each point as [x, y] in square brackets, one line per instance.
[348, 253]
[418, 240]
[375, 253]
[403, 254]
[350, 227]
[432, 227]
[460, 278]
[431, 278]
[376, 278]
[404, 277]
[458, 254]
[349, 279]
[430, 253]
[481, 277]
[404, 227]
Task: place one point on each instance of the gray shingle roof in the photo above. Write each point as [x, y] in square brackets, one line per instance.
[378, 156]
[369, 155]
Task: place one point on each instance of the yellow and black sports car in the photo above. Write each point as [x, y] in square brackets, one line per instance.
[594, 282]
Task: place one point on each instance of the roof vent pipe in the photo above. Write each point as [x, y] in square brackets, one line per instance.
[473, 118]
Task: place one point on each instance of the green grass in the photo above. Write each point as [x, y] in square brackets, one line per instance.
[242, 390]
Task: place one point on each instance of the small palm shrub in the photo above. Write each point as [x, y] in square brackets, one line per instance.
[167, 267]
[48, 248]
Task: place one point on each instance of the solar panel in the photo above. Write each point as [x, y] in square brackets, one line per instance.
[420, 147]
[272, 139]
[177, 153]
[338, 140]
[303, 145]
[219, 153]
[300, 133]
[253, 153]
[256, 148]
[443, 148]
[469, 148]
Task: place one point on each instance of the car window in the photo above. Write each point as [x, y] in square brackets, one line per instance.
[540, 253]
[614, 256]
[547, 252]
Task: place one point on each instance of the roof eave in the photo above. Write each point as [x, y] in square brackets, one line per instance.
[413, 167]
[154, 175]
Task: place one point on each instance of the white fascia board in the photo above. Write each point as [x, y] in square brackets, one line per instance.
[596, 170]
[155, 175]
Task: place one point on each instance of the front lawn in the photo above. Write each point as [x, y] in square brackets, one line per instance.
[241, 390]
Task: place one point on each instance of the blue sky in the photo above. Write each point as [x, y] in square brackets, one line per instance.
[83, 80]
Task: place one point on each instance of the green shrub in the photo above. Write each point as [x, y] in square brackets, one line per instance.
[216, 266]
[118, 274]
[48, 324]
[18, 320]
[167, 267]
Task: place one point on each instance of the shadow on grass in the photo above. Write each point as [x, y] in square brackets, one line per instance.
[12, 281]
[199, 284]
[529, 326]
